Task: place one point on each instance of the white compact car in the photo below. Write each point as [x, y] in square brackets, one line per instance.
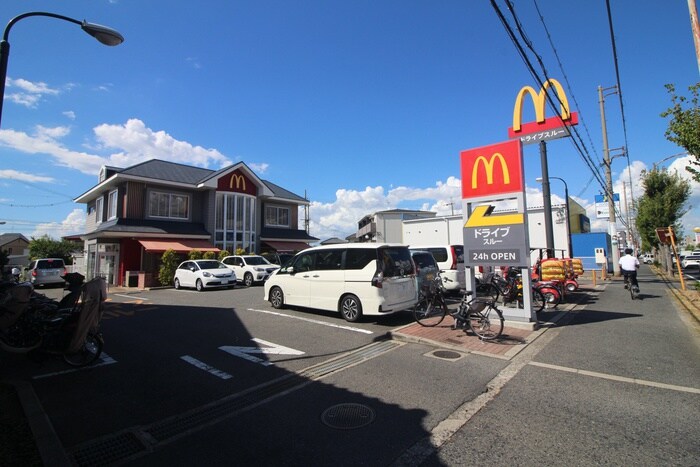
[250, 269]
[204, 273]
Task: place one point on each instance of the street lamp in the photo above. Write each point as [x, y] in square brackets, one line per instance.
[105, 35]
[568, 213]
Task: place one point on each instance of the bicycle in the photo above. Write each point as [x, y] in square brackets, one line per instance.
[431, 307]
[482, 316]
[634, 289]
[511, 289]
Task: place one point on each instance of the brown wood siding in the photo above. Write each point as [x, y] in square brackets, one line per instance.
[135, 200]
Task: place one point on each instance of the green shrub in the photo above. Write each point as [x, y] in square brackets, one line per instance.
[223, 254]
[209, 255]
[194, 254]
[168, 266]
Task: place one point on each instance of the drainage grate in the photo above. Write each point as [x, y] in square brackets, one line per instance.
[347, 416]
[447, 354]
[109, 450]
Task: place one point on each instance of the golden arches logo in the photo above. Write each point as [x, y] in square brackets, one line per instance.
[240, 181]
[538, 99]
[488, 168]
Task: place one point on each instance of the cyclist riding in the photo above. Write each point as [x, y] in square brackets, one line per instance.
[629, 265]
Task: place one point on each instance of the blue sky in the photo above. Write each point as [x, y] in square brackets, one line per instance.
[362, 105]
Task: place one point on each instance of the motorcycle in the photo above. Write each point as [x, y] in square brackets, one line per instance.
[31, 322]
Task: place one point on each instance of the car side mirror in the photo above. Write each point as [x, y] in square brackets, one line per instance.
[193, 269]
[288, 270]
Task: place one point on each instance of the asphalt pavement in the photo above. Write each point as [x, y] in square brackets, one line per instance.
[606, 381]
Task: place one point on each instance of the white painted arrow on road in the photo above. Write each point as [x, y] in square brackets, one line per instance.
[271, 349]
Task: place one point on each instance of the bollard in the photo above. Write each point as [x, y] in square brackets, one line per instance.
[593, 278]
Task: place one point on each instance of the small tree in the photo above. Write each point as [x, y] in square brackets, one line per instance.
[223, 254]
[169, 263]
[240, 251]
[45, 247]
[684, 126]
[209, 255]
[194, 254]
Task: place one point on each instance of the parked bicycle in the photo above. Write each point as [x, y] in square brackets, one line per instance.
[431, 307]
[481, 315]
[510, 289]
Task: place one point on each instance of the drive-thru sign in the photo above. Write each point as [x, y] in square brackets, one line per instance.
[493, 174]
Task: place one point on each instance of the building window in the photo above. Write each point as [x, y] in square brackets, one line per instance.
[112, 205]
[98, 209]
[235, 222]
[276, 216]
[168, 205]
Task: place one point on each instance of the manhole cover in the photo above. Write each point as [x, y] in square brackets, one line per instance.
[347, 416]
[447, 354]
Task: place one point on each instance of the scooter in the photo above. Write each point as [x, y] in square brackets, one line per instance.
[31, 322]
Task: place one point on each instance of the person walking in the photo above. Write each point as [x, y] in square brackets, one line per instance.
[629, 265]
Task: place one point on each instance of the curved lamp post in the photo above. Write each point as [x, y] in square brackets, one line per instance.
[105, 35]
[568, 214]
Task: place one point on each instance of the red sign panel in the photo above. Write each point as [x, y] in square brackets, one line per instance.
[237, 182]
[492, 170]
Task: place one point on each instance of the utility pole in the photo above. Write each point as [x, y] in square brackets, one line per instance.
[612, 227]
[695, 27]
[547, 201]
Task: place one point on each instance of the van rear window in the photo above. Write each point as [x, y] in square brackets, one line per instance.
[50, 264]
[358, 258]
[395, 261]
[440, 254]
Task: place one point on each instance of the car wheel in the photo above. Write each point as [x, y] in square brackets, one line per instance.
[199, 285]
[248, 279]
[351, 308]
[277, 298]
[177, 284]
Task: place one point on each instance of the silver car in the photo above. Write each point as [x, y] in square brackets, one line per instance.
[46, 271]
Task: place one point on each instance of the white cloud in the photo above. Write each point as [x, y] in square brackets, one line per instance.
[24, 177]
[69, 114]
[260, 168]
[29, 93]
[138, 143]
[134, 142]
[73, 224]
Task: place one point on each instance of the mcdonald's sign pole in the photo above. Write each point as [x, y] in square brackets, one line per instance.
[547, 205]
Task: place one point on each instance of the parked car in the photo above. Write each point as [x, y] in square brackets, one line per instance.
[647, 258]
[450, 260]
[46, 271]
[691, 261]
[204, 273]
[354, 279]
[426, 267]
[278, 258]
[250, 269]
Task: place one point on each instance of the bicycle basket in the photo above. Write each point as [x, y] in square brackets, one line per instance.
[429, 288]
[477, 305]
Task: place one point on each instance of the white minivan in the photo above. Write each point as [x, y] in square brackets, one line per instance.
[354, 279]
[450, 260]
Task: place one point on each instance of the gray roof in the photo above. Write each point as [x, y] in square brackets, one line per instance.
[271, 233]
[141, 226]
[11, 237]
[157, 169]
[168, 171]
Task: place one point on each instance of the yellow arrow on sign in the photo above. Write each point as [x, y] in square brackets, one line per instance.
[481, 217]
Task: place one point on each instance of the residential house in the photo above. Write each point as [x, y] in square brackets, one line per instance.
[16, 246]
[134, 214]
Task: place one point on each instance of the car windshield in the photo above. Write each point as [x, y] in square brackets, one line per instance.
[211, 265]
[256, 260]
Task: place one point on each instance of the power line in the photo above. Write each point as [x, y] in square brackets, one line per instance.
[584, 154]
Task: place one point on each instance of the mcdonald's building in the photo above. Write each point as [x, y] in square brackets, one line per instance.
[135, 214]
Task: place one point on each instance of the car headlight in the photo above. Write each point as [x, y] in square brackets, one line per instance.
[206, 274]
[259, 269]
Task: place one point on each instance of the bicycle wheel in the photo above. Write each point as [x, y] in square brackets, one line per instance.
[88, 353]
[430, 312]
[487, 323]
[538, 300]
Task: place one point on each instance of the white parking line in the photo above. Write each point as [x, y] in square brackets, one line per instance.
[623, 379]
[132, 297]
[203, 366]
[315, 321]
[104, 360]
